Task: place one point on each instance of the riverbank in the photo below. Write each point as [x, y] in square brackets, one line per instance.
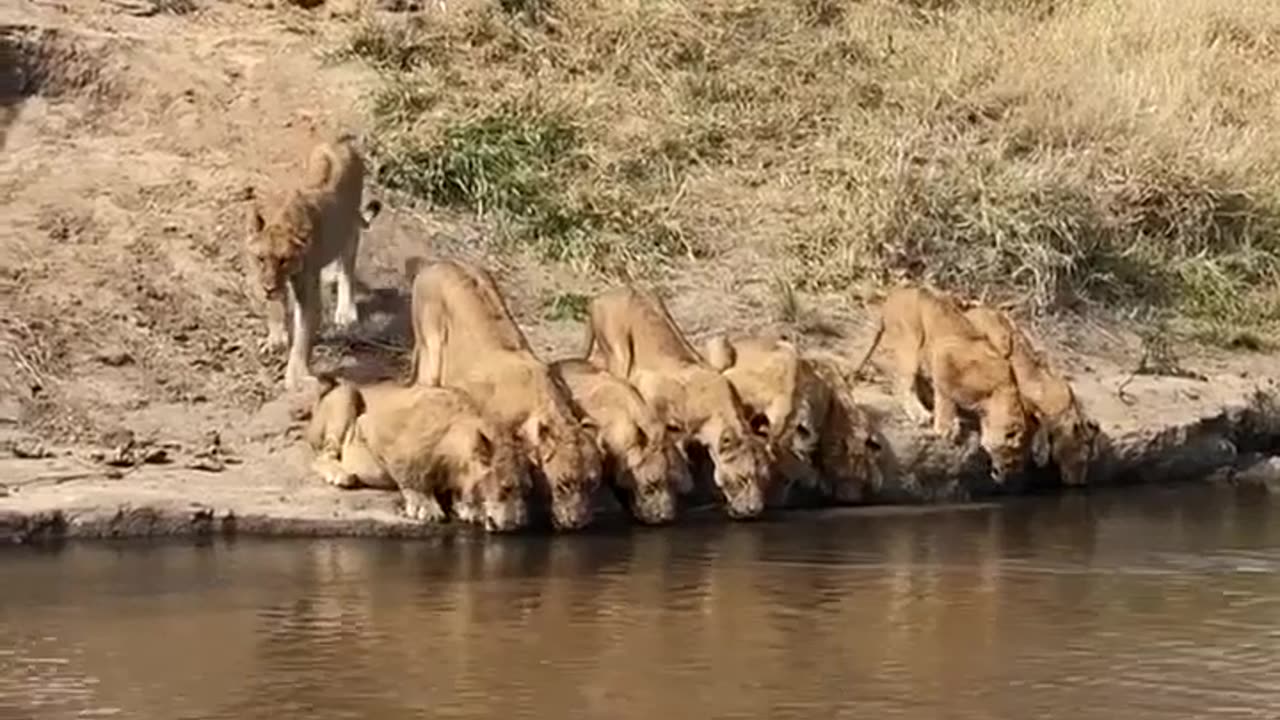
[134, 401]
[1164, 430]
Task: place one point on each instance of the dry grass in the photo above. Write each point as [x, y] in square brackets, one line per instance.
[1060, 153]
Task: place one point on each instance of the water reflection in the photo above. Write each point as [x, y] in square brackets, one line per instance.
[1161, 604]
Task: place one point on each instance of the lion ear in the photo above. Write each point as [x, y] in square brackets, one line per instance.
[720, 353]
[254, 220]
[760, 424]
[483, 448]
[536, 430]
[728, 441]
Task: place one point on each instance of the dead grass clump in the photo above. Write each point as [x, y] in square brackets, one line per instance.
[391, 46]
[1059, 153]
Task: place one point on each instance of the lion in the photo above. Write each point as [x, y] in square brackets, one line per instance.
[850, 448]
[1063, 433]
[642, 457]
[424, 442]
[310, 233]
[824, 442]
[631, 335]
[927, 335]
[465, 337]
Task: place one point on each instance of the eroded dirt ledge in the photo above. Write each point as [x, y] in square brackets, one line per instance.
[1225, 429]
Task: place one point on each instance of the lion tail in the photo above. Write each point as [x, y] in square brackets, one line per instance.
[875, 342]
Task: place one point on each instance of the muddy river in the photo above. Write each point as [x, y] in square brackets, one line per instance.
[1150, 604]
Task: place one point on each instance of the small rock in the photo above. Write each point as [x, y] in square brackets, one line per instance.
[10, 409]
[207, 463]
[122, 457]
[155, 456]
[1263, 473]
[112, 474]
[118, 437]
[30, 449]
[114, 357]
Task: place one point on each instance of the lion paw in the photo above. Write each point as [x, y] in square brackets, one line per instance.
[423, 508]
[301, 382]
[345, 316]
[344, 480]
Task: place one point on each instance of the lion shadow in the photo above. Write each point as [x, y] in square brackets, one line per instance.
[379, 346]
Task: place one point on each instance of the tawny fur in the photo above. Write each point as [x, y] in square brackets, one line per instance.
[812, 416]
[644, 461]
[465, 337]
[849, 449]
[767, 375]
[926, 335]
[631, 335]
[311, 231]
[1063, 433]
[421, 441]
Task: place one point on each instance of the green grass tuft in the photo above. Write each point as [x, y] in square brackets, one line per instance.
[566, 306]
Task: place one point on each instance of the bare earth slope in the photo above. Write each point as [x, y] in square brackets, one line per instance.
[133, 398]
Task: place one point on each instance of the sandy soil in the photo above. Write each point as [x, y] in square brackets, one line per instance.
[129, 370]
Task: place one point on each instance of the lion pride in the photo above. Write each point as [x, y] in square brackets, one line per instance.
[927, 336]
[465, 337]
[1063, 433]
[643, 458]
[631, 335]
[423, 441]
[309, 233]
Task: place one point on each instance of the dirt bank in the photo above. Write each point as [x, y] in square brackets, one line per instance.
[133, 399]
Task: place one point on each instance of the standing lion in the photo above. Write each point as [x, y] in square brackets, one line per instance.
[310, 231]
[927, 336]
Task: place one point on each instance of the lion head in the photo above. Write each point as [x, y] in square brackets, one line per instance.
[492, 481]
[1004, 433]
[652, 473]
[742, 464]
[1070, 441]
[278, 242]
[568, 459]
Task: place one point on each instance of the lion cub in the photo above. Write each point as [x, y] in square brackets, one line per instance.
[631, 335]
[465, 337]
[1063, 433]
[422, 441]
[643, 460]
[927, 335]
[312, 230]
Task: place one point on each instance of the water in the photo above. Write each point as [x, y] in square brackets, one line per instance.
[1157, 604]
